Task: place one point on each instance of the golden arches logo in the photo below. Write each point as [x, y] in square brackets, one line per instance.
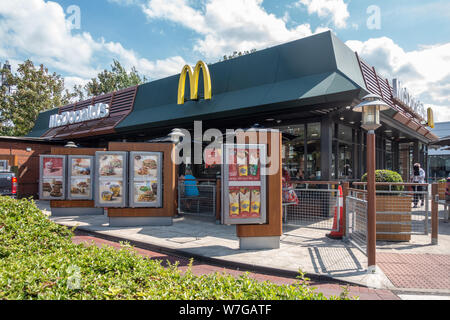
[430, 117]
[193, 81]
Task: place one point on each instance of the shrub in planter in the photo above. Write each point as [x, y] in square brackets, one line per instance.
[390, 206]
[386, 176]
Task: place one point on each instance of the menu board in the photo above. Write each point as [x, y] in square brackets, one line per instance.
[145, 179]
[80, 179]
[244, 184]
[52, 170]
[111, 178]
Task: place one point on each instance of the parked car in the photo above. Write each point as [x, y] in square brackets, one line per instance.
[8, 184]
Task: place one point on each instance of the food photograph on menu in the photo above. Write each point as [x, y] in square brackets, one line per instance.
[146, 192]
[52, 188]
[245, 182]
[111, 165]
[52, 167]
[244, 164]
[80, 167]
[244, 202]
[80, 187]
[145, 166]
[111, 191]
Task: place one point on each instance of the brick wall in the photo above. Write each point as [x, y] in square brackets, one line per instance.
[27, 162]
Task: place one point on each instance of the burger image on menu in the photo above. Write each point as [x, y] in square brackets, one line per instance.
[111, 166]
[52, 188]
[144, 193]
[145, 166]
[80, 187]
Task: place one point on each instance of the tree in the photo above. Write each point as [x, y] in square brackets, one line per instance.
[237, 54]
[108, 81]
[33, 90]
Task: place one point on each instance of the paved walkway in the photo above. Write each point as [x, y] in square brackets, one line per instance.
[199, 268]
[301, 248]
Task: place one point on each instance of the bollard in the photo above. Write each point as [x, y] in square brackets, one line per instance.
[434, 213]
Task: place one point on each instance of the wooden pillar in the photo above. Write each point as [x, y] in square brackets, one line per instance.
[434, 213]
[371, 201]
[274, 225]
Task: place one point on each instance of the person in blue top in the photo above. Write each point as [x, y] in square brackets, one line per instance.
[190, 184]
[190, 188]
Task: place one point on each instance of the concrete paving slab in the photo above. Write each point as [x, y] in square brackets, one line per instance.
[303, 249]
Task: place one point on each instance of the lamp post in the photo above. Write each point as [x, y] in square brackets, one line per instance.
[370, 108]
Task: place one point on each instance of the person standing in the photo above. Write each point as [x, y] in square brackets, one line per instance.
[418, 177]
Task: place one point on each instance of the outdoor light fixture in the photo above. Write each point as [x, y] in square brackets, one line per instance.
[70, 144]
[370, 108]
[175, 135]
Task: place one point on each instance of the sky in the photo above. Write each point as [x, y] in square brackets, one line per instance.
[405, 39]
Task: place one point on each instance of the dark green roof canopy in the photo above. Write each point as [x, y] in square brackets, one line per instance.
[318, 69]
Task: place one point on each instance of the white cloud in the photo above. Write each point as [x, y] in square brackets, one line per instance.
[227, 26]
[335, 10]
[425, 71]
[37, 30]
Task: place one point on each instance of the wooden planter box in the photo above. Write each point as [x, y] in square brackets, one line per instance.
[396, 206]
[441, 190]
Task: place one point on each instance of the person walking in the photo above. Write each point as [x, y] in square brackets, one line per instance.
[418, 177]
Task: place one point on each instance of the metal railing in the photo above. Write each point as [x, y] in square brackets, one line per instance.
[356, 219]
[197, 197]
[403, 209]
[317, 203]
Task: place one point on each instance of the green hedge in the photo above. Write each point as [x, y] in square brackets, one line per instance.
[39, 261]
[386, 176]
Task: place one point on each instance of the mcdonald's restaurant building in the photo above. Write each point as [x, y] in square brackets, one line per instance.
[305, 88]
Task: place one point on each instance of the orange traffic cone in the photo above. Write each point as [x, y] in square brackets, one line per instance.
[338, 233]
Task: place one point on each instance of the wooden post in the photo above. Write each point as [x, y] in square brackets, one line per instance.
[274, 225]
[371, 202]
[434, 213]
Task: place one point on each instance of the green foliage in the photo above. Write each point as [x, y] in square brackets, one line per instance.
[33, 90]
[39, 261]
[237, 54]
[108, 81]
[386, 176]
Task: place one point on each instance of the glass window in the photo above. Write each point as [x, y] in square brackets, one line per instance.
[345, 155]
[345, 133]
[313, 171]
[293, 151]
[314, 130]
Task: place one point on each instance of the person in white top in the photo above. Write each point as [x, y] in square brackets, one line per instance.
[418, 177]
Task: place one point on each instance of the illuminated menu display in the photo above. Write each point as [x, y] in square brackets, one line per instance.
[243, 184]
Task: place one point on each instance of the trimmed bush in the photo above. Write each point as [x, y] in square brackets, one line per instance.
[38, 260]
[386, 176]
